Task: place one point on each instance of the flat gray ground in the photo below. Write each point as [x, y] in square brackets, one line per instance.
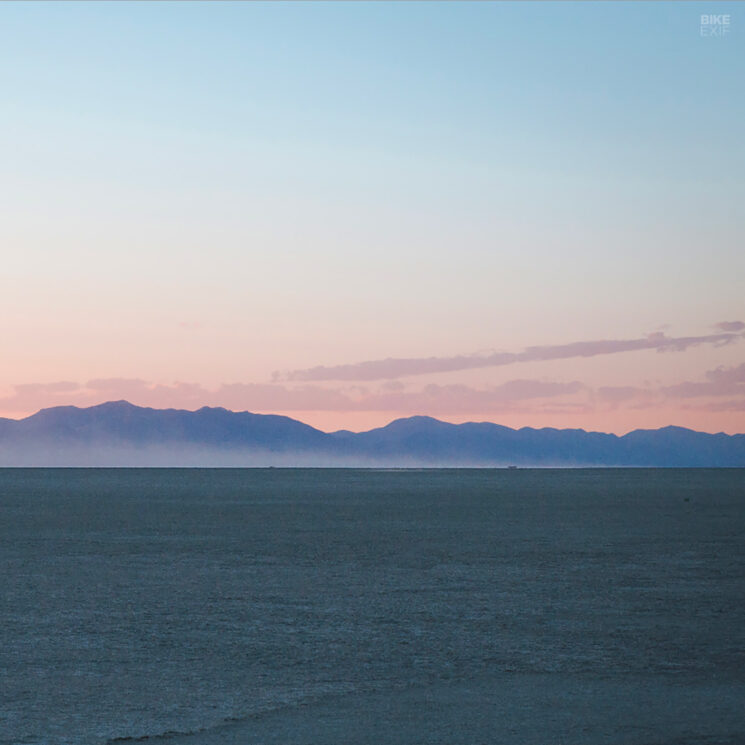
[343, 606]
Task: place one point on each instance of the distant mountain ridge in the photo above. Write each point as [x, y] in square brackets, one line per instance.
[118, 433]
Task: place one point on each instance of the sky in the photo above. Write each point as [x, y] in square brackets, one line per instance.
[530, 213]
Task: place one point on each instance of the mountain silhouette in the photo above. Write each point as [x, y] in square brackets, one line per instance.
[119, 433]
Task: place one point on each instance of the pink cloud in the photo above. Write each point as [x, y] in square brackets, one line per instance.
[276, 397]
[719, 382]
[730, 325]
[519, 395]
[405, 366]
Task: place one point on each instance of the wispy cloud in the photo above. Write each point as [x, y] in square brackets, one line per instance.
[721, 389]
[730, 325]
[719, 382]
[397, 367]
[434, 399]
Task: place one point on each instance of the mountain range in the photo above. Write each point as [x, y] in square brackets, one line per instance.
[118, 433]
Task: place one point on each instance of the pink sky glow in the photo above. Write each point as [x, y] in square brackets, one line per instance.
[611, 385]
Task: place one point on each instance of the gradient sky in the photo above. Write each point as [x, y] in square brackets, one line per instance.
[528, 213]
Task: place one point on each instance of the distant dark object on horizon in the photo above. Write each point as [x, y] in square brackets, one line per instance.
[121, 434]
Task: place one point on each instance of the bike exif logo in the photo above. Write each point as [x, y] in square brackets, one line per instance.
[715, 25]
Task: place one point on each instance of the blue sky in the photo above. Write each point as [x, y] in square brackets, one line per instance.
[308, 183]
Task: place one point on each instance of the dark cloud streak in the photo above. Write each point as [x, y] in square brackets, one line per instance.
[393, 367]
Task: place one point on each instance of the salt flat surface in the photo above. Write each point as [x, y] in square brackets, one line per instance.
[353, 606]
